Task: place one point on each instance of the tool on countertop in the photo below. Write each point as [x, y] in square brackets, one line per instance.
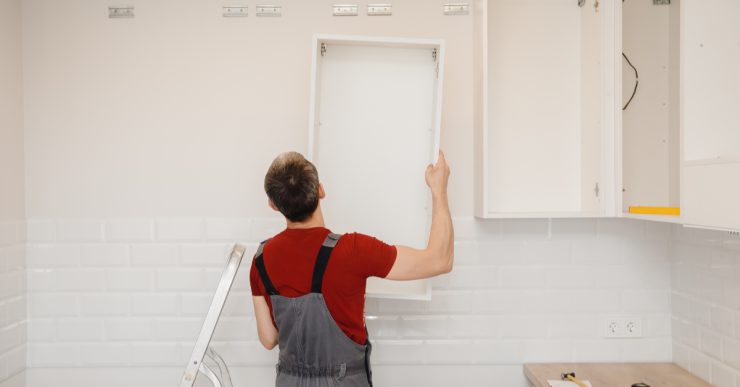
[572, 377]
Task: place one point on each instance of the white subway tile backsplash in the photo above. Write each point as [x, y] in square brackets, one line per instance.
[732, 352]
[129, 230]
[212, 255]
[42, 330]
[710, 343]
[156, 354]
[177, 329]
[155, 255]
[81, 279]
[104, 255]
[53, 354]
[228, 229]
[180, 229]
[180, 279]
[80, 329]
[681, 355]
[129, 279]
[52, 305]
[722, 376]
[105, 304]
[523, 326]
[129, 329]
[524, 290]
[53, 256]
[384, 327]
[198, 303]
[523, 277]
[722, 320]
[108, 354]
[233, 328]
[154, 304]
[425, 327]
[399, 352]
[646, 301]
[79, 231]
[701, 365]
[478, 327]
[448, 352]
[41, 231]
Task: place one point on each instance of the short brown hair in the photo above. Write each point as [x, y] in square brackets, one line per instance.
[292, 184]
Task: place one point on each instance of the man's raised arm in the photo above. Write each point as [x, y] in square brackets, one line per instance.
[437, 257]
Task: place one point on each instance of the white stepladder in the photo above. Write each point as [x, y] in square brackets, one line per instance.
[204, 359]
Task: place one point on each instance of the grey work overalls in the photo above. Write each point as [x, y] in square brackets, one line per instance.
[314, 351]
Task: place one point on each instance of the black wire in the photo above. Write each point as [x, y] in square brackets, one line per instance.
[637, 82]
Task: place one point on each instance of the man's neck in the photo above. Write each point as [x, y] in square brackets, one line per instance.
[316, 220]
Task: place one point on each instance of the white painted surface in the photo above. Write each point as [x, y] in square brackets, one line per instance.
[12, 209]
[710, 195]
[543, 110]
[182, 110]
[711, 82]
[705, 304]
[374, 131]
[650, 132]
[711, 144]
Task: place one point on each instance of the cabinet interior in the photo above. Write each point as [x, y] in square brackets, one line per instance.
[651, 122]
[543, 140]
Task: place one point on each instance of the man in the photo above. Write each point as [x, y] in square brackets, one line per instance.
[308, 285]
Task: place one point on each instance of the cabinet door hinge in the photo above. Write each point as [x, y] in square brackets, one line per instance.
[596, 189]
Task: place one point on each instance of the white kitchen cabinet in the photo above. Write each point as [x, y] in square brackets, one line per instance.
[545, 109]
[373, 128]
[710, 74]
[649, 158]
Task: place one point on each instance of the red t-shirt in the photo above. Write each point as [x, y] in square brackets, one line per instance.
[289, 261]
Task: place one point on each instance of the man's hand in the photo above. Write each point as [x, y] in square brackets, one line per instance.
[437, 175]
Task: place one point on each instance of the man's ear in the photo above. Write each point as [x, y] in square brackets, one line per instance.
[322, 194]
[272, 205]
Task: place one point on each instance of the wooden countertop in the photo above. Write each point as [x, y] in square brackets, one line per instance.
[615, 374]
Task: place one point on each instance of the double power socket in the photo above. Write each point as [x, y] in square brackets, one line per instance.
[621, 327]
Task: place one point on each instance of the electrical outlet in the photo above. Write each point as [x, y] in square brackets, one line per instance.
[622, 327]
[345, 9]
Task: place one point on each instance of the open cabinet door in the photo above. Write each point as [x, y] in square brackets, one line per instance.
[710, 50]
[374, 127]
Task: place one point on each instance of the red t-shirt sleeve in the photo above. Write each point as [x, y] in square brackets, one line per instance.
[255, 282]
[374, 257]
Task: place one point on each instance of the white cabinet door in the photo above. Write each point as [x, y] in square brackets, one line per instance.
[710, 77]
[544, 129]
[374, 129]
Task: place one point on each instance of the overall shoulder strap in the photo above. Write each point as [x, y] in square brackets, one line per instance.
[322, 260]
[259, 262]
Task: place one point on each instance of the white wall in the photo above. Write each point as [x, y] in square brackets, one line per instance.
[12, 228]
[706, 304]
[182, 110]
